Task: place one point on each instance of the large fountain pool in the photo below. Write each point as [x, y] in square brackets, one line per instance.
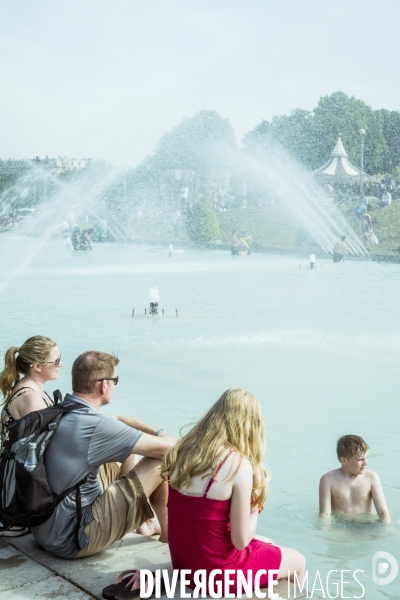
[320, 349]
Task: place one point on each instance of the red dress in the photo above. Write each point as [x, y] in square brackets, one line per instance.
[199, 538]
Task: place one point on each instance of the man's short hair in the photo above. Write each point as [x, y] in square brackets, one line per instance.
[351, 445]
[89, 367]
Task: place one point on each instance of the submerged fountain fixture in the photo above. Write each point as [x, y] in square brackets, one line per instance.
[312, 261]
[154, 308]
[154, 301]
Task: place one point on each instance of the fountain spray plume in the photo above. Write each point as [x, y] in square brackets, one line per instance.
[301, 195]
[64, 203]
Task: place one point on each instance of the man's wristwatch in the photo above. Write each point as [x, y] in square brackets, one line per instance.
[160, 431]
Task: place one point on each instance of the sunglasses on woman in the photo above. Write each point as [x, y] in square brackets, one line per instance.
[51, 362]
[54, 362]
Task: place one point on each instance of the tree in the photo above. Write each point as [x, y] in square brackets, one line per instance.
[310, 136]
[202, 221]
[203, 141]
[293, 132]
[340, 113]
[261, 137]
[7, 184]
[391, 131]
[17, 191]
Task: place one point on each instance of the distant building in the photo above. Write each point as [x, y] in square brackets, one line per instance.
[53, 165]
[11, 166]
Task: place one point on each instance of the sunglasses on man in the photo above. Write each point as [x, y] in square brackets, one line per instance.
[114, 379]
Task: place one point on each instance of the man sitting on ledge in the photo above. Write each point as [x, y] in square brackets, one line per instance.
[84, 441]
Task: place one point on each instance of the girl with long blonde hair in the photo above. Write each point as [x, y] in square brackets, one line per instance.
[217, 488]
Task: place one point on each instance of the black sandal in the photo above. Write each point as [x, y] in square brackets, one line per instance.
[129, 594]
[119, 586]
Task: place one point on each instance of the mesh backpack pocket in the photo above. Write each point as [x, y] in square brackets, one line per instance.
[26, 499]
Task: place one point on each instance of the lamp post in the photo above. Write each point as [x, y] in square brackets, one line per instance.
[362, 133]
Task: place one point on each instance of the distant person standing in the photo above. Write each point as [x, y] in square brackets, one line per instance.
[184, 197]
[76, 238]
[86, 239]
[234, 243]
[176, 222]
[214, 199]
[366, 228]
[362, 206]
[340, 249]
[386, 199]
[98, 230]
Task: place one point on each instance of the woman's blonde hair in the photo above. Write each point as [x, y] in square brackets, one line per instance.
[19, 360]
[234, 422]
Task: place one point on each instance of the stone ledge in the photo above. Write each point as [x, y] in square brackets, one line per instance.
[44, 576]
[23, 578]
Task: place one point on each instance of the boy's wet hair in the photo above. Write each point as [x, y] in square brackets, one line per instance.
[351, 445]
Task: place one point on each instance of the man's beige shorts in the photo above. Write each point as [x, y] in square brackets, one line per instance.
[121, 507]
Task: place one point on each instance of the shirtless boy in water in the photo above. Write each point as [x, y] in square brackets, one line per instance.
[352, 488]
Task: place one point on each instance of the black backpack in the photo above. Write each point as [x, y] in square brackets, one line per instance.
[26, 499]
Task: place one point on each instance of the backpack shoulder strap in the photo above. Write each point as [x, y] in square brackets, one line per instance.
[60, 497]
[68, 409]
[77, 487]
[57, 395]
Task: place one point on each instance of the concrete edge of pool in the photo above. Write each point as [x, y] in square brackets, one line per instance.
[27, 572]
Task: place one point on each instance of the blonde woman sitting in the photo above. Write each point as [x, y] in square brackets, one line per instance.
[26, 371]
[217, 488]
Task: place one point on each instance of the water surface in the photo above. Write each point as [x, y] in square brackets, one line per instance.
[320, 349]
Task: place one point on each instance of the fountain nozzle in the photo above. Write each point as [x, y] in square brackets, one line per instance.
[154, 301]
[153, 310]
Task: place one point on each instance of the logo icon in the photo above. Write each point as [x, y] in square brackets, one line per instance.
[381, 574]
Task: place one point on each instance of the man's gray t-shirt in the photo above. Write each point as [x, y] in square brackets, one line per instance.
[84, 440]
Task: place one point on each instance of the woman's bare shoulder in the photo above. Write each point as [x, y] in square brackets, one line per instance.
[25, 402]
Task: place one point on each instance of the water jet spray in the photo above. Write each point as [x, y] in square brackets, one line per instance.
[154, 308]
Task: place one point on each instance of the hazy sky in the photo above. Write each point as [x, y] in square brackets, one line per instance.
[106, 78]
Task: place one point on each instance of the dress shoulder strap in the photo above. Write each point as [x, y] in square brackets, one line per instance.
[23, 390]
[212, 479]
[17, 392]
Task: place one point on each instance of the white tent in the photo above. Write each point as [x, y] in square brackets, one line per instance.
[338, 167]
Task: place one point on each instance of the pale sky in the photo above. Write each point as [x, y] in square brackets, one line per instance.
[106, 78]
